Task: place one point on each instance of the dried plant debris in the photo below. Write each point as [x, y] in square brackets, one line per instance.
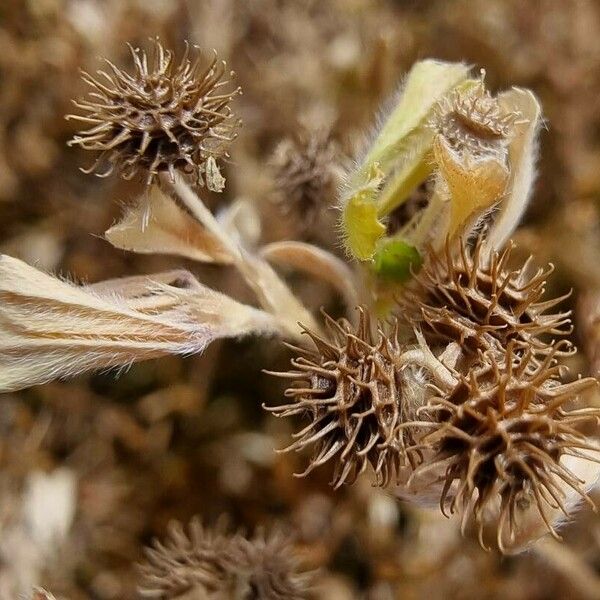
[501, 433]
[40, 594]
[588, 313]
[214, 564]
[454, 156]
[307, 172]
[356, 391]
[163, 117]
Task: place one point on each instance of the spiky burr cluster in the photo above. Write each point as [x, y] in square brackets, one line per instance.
[499, 435]
[460, 295]
[463, 397]
[471, 119]
[213, 564]
[348, 386]
[161, 118]
[306, 174]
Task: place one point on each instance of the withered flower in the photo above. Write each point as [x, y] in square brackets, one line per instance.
[220, 565]
[483, 304]
[350, 386]
[498, 438]
[307, 174]
[472, 120]
[163, 117]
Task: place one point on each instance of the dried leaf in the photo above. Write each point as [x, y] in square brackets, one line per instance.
[317, 262]
[137, 293]
[474, 185]
[522, 154]
[158, 226]
[50, 328]
[275, 296]
[215, 182]
[272, 293]
[41, 594]
[222, 314]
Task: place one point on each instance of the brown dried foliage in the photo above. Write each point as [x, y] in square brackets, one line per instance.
[500, 434]
[221, 565]
[355, 396]
[163, 117]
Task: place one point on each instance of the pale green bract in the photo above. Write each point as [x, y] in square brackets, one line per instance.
[396, 161]
[478, 152]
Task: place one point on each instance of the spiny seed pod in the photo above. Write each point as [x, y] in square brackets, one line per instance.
[350, 386]
[198, 560]
[307, 174]
[470, 119]
[163, 117]
[267, 568]
[213, 564]
[498, 437]
[459, 296]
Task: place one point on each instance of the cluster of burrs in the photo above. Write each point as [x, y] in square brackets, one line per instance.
[212, 563]
[461, 391]
[463, 387]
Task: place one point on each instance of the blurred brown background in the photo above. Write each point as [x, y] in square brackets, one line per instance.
[178, 437]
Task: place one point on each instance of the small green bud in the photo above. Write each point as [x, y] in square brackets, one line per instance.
[396, 260]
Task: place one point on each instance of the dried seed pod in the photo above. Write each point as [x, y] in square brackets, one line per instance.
[198, 560]
[266, 567]
[459, 296]
[497, 440]
[471, 120]
[163, 117]
[356, 394]
[306, 173]
[214, 564]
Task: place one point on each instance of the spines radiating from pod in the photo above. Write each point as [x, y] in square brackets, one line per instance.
[163, 117]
